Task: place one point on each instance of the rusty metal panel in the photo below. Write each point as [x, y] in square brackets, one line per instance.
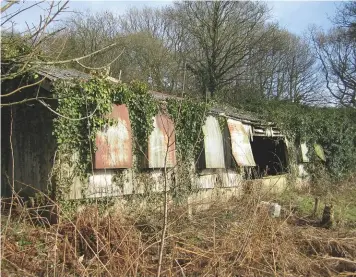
[161, 142]
[240, 143]
[213, 144]
[114, 144]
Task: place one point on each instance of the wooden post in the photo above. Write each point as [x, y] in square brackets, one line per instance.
[316, 204]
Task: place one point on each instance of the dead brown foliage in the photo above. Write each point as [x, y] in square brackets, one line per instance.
[234, 238]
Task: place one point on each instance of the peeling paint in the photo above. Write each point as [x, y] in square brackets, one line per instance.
[213, 144]
[161, 142]
[206, 181]
[240, 143]
[114, 145]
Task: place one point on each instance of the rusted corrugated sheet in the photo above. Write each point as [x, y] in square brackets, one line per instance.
[162, 142]
[114, 145]
[240, 143]
[213, 144]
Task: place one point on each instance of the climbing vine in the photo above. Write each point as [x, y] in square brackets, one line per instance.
[189, 117]
[331, 127]
[83, 107]
[222, 123]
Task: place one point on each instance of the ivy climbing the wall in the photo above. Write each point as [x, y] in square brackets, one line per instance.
[331, 127]
[83, 107]
[189, 117]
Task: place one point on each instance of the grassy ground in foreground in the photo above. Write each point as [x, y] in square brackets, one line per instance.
[342, 198]
[233, 238]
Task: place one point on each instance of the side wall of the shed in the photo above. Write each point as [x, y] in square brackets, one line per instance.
[29, 156]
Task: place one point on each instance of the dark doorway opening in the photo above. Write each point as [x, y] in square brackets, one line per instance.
[270, 156]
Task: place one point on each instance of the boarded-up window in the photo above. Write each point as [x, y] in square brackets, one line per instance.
[161, 143]
[114, 144]
[213, 152]
[240, 142]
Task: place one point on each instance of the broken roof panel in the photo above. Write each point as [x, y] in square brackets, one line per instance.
[240, 143]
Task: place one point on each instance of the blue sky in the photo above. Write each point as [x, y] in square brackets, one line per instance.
[297, 16]
[294, 16]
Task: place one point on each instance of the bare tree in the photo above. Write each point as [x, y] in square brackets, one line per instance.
[218, 36]
[22, 52]
[163, 25]
[346, 18]
[296, 76]
[336, 51]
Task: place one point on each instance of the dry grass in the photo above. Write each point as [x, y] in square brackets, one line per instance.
[234, 238]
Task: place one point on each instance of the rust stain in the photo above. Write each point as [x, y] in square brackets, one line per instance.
[162, 142]
[240, 143]
[114, 144]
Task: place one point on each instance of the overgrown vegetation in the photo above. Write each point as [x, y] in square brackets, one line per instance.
[189, 117]
[333, 128]
[84, 106]
[221, 237]
[233, 54]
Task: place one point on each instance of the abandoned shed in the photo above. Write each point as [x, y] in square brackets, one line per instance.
[245, 148]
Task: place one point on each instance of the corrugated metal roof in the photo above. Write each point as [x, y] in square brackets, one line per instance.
[114, 145]
[54, 73]
[163, 96]
[238, 114]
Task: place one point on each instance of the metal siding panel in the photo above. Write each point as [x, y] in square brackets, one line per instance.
[114, 145]
[304, 152]
[231, 179]
[161, 140]
[206, 181]
[319, 151]
[213, 144]
[101, 184]
[240, 143]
